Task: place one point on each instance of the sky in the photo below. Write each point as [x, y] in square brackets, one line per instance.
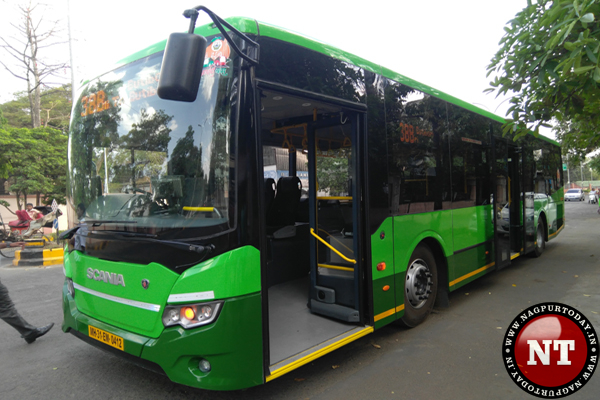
[444, 44]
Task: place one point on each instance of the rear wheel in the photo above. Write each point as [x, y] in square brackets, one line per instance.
[540, 241]
[420, 286]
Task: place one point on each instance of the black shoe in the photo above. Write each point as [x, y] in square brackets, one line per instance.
[37, 333]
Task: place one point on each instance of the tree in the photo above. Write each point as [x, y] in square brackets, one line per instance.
[55, 108]
[6, 143]
[33, 36]
[38, 164]
[549, 61]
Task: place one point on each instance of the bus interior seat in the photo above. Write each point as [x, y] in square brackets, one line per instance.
[288, 243]
[269, 193]
[282, 213]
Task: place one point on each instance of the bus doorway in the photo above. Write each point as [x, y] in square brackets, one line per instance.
[507, 203]
[311, 280]
[335, 288]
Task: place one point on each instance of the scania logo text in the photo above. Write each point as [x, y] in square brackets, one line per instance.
[108, 277]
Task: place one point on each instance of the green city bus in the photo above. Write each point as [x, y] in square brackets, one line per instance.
[249, 199]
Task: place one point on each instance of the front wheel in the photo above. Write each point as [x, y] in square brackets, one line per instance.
[420, 286]
[540, 241]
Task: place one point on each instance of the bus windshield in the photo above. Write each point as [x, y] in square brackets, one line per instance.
[137, 162]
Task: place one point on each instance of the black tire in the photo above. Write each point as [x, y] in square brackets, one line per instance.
[9, 252]
[540, 241]
[420, 286]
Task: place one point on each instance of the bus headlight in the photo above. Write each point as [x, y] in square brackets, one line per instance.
[191, 315]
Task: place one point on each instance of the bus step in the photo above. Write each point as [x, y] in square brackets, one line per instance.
[336, 311]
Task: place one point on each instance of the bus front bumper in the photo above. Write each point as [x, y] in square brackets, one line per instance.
[232, 345]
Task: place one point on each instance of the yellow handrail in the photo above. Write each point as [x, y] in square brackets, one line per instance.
[201, 209]
[338, 242]
[336, 267]
[312, 232]
[334, 198]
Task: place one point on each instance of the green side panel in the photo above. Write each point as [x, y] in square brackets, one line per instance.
[67, 263]
[472, 226]
[69, 310]
[128, 305]
[382, 251]
[384, 301]
[555, 213]
[410, 230]
[232, 345]
[473, 230]
[234, 273]
[467, 262]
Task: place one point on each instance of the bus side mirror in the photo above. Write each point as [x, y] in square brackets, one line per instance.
[181, 68]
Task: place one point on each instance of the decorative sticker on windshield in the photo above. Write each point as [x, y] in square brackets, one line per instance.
[137, 89]
[143, 87]
[217, 58]
[95, 102]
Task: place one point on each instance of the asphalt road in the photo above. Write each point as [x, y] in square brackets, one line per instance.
[455, 354]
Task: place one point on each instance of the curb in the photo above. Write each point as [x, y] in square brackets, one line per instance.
[38, 257]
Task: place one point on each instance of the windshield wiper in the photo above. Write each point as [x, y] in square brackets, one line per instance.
[98, 222]
[195, 248]
[132, 234]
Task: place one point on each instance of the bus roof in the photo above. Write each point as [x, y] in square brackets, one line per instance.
[251, 26]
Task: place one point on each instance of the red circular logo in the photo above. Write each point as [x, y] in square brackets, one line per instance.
[550, 350]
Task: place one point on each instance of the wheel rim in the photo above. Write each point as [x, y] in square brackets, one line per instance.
[540, 238]
[419, 283]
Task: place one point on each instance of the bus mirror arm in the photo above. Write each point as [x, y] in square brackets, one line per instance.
[69, 233]
[219, 22]
[183, 60]
[193, 16]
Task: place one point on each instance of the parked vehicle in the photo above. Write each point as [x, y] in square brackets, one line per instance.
[574, 194]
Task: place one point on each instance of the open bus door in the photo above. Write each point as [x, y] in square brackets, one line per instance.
[335, 285]
[311, 259]
[508, 231]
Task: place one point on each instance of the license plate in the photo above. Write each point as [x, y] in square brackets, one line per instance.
[106, 337]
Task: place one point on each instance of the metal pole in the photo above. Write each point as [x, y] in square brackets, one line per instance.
[105, 173]
[568, 172]
[71, 51]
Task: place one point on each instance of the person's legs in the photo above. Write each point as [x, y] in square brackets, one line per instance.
[11, 316]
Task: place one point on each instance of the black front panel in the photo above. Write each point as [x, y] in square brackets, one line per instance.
[305, 69]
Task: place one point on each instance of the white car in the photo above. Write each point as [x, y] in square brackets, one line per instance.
[574, 194]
